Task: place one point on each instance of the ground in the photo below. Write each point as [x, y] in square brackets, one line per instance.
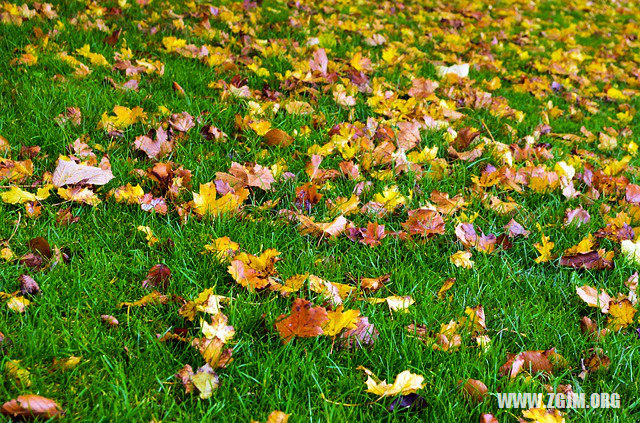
[194, 137]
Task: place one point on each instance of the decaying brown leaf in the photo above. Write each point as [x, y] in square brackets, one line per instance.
[32, 406]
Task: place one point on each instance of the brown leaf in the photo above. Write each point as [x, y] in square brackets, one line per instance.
[307, 196]
[277, 137]
[597, 361]
[464, 138]
[542, 361]
[68, 173]
[158, 276]
[213, 351]
[184, 376]
[31, 406]
[328, 229]
[249, 175]
[64, 217]
[633, 193]
[154, 148]
[424, 222]
[590, 328]
[181, 121]
[28, 286]
[178, 89]
[363, 335]
[474, 389]
[304, 321]
[40, 246]
[515, 229]
[374, 284]
[112, 39]
[591, 260]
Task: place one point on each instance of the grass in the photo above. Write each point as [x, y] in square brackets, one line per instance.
[127, 375]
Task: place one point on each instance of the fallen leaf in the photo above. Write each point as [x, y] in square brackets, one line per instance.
[69, 173]
[32, 406]
[593, 298]
[405, 383]
[304, 321]
[158, 276]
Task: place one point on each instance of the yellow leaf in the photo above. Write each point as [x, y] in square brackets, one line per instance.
[223, 248]
[218, 328]
[621, 314]
[17, 196]
[16, 372]
[340, 320]
[462, 259]
[390, 198]
[278, 417]
[395, 302]
[405, 383]
[542, 415]
[151, 239]
[206, 202]
[544, 249]
[18, 304]
[206, 382]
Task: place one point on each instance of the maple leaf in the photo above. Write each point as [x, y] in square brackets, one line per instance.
[278, 417]
[154, 297]
[338, 320]
[213, 351]
[542, 415]
[462, 259]
[223, 248]
[336, 292]
[621, 314]
[424, 222]
[158, 276]
[390, 198]
[155, 144]
[205, 302]
[247, 176]
[218, 328]
[181, 121]
[446, 286]
[205, 201]
[16, 195]
[79, 195]
[292, 284]
[304, 321]
[254, 272]
[404, 384]
[544, 249]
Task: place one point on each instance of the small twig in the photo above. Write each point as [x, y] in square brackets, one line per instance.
[487, 128]
[347, 405]
[16, 227]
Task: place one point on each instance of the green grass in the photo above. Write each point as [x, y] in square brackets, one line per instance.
[127, 375]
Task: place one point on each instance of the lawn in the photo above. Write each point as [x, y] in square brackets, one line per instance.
[259, 211]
